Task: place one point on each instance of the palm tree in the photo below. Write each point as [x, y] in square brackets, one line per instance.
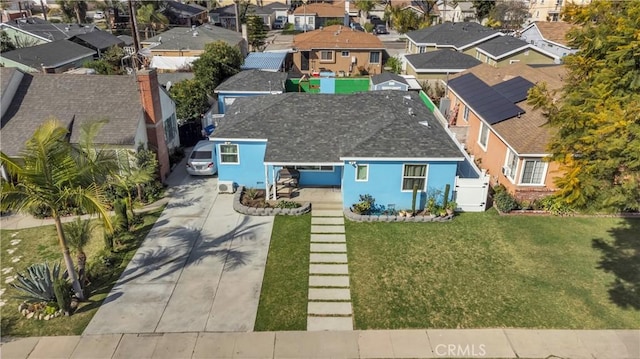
[50, 174]
[78, 235]
[152, 18]
[364, 6]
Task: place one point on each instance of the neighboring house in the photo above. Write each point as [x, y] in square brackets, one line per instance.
[316, 15]
[388, 81]
[249, 83]
[550, 36]
[465, 12]
[137, 109]
[267, 61]
[338, 49]
[506, 50]
[99, 41]
[446, 11]
[178, 47]
[507, 137]
[438, 64]
[35, 31]
[380, 143]
[225, 16]
[461, 36]
[549, 10]
[185, 14]
[51, 57]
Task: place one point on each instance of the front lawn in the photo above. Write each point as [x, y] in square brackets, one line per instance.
[484, 270]
[283, 299]
[40, 244]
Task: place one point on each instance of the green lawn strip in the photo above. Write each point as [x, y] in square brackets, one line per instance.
[483, 270]
[40, 244]
[283, 300]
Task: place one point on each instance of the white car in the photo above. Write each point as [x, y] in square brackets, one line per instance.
[98, 15]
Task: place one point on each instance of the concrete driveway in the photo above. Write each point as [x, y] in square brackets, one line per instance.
[199, 269]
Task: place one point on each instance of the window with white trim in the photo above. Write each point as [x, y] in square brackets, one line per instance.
[414, 175]
[483, 138]
[345, 54]
[229, 154]
[170, 128]
[511, 165]
[326, 55]
[362, 173]
[533, 172]
[374, 57]
[465, 114]
[314, 168]
[422, 49]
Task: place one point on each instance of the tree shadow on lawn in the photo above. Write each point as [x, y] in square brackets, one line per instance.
[621, 257]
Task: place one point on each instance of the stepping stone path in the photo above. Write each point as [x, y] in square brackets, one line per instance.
[329, 305]
[16, 259]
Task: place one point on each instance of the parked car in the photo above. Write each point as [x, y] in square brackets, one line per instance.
[356, 26]
[380, 29]
[202, 161]
[98, 15]
[279, 22]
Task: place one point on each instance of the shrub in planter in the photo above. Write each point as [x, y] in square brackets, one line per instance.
[288, 204]
[504, 201]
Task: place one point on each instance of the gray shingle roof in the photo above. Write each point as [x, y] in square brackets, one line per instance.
[459, 35]
[254, 80]
[100, 40]
[441, 59]
[387, 76]
[50, 31]
[312, 128]
[502, 45]
[182, 38]
[6, 73]
[77, 98]
[51, 54]
[184, 10]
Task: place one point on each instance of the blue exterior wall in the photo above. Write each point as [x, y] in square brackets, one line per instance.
[250, 171]
[221, 96]
[387, 86]
[315, 178]
[385, 183]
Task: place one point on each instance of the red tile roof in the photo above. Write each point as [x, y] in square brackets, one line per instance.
[336, 37]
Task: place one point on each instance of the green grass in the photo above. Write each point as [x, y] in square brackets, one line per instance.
[485, 270]
[283, 300]
[40, 244]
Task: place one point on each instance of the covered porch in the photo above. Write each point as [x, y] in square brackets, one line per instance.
[304, 182]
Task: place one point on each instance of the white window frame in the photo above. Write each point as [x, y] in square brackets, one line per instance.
[331, 52]
[314, 170]
[343, 54]
[366, 179]
[483, 127]
[379, 57]
[402, 178]
[511, 161]
[544, 172]
[465, 114]
[236, 153]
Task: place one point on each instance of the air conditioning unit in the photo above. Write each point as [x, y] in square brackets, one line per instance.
[506, 171]
[225, 187]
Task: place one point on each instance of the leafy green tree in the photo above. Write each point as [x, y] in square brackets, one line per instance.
[483, 7]
[5, 42]
[508, 14]
[364, 7]
[73, 10]
[50, 173]
[395, 64]
[256, 32]
[597, 142]
[151, 18]
[191, 99]
[403, 20]
[109, 64]
[218, 62]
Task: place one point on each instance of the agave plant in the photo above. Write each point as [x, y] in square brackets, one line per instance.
[37, 284]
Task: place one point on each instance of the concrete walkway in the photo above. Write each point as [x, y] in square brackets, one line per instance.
[470, 343]
[329, 306]
[199, 269]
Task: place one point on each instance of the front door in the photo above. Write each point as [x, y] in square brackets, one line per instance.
[304, 60]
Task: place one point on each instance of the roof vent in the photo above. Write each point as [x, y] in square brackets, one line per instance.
[411, 113]
[425, 124]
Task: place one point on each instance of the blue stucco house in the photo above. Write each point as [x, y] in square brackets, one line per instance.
[380, 143]
[249, 83]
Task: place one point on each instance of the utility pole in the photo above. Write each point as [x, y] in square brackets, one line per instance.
[235, 7]
[134, 33]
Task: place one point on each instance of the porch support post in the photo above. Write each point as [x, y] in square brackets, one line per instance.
[275, 183]
[266, 181]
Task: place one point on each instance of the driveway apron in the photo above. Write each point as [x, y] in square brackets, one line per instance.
[199, 269]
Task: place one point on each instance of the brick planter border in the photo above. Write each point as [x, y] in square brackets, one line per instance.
[252, 211]
[355, 217]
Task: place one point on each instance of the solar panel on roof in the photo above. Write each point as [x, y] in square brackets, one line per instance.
[484, 100]
[515, 90]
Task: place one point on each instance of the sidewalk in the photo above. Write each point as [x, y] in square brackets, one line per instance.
[469, 343]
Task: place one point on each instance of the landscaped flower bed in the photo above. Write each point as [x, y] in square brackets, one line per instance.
[252, 202]
[395, 218]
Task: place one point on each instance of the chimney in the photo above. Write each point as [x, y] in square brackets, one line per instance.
[149, 88]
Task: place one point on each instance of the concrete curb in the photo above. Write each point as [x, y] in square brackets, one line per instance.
[355, 217]
[252, 211]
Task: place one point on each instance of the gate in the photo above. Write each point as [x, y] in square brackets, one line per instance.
[471, 193]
